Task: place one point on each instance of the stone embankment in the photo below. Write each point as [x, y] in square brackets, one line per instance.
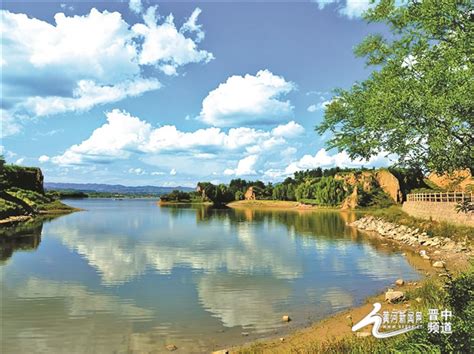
[409, 236]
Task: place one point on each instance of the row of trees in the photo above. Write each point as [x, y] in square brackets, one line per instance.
[316, 186]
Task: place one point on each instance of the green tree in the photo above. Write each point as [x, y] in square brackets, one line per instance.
[290, 192]
[329, 191]
[220, 194]
[3, 177]
[239, 195]
[418, 102]
[238, 184]
[279, 192]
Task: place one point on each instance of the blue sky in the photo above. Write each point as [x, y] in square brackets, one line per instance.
[176, 92]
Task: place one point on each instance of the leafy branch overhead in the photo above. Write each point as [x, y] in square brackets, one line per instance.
[418, 103]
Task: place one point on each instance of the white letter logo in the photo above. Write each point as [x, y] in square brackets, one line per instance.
[376, 320]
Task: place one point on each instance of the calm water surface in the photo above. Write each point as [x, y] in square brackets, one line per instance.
[128, 275]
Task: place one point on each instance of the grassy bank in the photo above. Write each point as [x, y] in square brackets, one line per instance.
[17, 202]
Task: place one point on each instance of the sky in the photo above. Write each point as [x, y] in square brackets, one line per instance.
[172, 93]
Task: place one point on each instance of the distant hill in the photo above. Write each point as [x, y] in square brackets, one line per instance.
[113, 188]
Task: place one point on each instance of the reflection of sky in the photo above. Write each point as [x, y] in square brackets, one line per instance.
[243, 300]
[53, 312]
[121, 257]
[131, 262]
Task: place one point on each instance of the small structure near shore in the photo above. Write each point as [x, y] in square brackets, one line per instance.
[250, 194]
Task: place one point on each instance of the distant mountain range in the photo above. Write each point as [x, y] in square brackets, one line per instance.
[113, 188]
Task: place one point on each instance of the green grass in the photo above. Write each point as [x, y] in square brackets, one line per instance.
[433, 228]
[33, 199]
[16, 202]
[55, 205]
[8, 208]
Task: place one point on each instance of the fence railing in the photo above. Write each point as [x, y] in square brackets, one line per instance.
[441, 197]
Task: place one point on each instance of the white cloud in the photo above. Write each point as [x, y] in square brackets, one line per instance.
[245, 167]
[289, 151]
[43, 158]
[289, 130]
[135, 6]
[409, 62]
[349, 8]
[248, 100]
[355, 8]
[137, 171]
[124, 135]
[8, 124]
[88, 94]
[323, 159]
[157, 173]
[192, 27]
[173, 172]
[164, 46]
[320, 106]
[77, 62]
[114, 140]
[20, 161]
[352, 8]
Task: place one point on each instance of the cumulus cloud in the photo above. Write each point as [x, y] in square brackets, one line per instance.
[135, 6]
[289, 130]
[173, 172]
[77, 62]
[349, 8]
[166, 47]
[250, 99]
[352, 8]
[123, 135]
[137, 171]
[43, 158]
[323, 159]
[319, 106]
[191, 25]
[245, 167]
[8, 124]
[87, 94]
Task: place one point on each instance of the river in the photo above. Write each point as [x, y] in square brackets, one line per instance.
[131, 276]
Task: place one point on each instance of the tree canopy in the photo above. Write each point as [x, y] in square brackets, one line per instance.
[418, 102]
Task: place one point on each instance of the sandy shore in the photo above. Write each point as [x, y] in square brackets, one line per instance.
[276, 204]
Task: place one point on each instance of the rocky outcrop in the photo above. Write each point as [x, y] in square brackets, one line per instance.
[460, 180]
[368, 180]
[409, 236]
[389, 184]
[352, 201]
[29, 178]
[250, 194]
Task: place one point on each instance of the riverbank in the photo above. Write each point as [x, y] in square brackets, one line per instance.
[164, 203]
[438, 259]
[276, 204]
[17, 210]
